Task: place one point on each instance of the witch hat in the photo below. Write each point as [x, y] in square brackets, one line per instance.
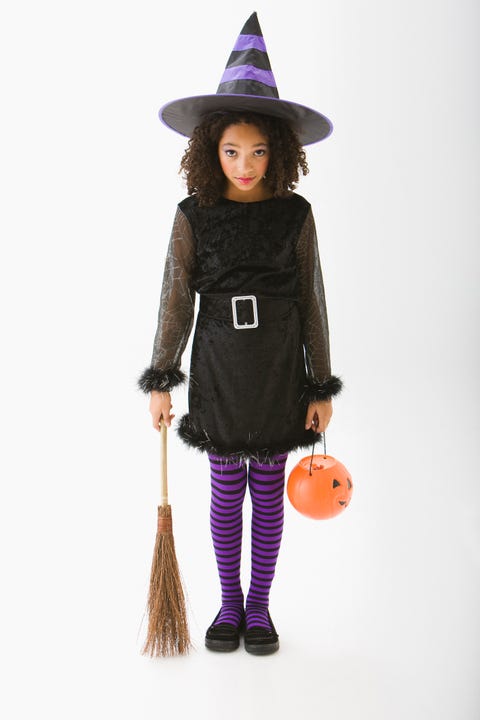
[247, 84]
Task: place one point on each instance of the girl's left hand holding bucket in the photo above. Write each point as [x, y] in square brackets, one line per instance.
[323, 411]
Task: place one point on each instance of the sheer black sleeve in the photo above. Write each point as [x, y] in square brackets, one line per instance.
[321, 384]
[176, 311]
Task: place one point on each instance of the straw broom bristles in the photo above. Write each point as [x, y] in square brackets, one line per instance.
[167, 623]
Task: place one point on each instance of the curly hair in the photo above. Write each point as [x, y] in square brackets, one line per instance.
[201, 166]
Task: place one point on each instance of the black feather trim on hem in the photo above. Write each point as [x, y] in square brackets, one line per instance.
[160, 380]
[198, 439]
[325, 390]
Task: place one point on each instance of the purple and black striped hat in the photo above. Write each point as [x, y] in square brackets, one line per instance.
[247, 84]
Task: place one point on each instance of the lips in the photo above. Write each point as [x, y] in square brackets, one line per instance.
[244, 180]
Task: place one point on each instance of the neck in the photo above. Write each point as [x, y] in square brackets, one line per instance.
[260, 192]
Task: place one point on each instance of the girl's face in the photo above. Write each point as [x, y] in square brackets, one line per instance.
[244, 154]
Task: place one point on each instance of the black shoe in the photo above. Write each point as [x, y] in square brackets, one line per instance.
[223, 637]
[260, 641]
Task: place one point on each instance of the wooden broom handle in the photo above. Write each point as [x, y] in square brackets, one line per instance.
[163, 464]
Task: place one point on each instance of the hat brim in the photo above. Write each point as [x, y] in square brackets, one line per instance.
[183, 115]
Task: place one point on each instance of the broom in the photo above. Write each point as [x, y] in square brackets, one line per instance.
[167, 615]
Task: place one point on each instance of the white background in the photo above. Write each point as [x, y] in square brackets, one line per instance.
[377, 609]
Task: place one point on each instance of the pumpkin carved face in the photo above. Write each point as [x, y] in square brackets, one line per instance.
[325, 492]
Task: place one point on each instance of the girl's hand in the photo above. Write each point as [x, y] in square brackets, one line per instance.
[318, 415]
[160, 406]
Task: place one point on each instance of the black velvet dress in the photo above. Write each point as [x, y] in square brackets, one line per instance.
[257, 361]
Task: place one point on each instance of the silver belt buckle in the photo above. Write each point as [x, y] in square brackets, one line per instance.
[245, 326]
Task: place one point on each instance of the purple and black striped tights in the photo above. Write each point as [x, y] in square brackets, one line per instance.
[266, 483]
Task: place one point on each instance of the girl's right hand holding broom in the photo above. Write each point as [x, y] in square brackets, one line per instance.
[160, 407]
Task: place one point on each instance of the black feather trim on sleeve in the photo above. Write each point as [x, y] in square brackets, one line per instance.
[160, 380]
[324, 390]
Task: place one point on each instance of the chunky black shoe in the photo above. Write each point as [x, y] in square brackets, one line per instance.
[260, 641]
[223, 637]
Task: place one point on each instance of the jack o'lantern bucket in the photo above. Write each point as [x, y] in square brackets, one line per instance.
[319, 487]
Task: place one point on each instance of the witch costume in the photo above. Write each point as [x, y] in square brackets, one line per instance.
[260, 351]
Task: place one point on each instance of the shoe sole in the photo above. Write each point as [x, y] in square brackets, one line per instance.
[222, 645]
[262, 649]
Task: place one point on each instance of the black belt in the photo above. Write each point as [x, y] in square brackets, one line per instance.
[245, 312]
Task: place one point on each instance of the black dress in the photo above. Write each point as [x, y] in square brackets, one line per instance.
[257, 361]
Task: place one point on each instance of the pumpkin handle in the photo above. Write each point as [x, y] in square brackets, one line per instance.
[313, 446]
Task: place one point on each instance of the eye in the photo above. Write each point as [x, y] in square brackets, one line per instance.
[336, 484]
[260, 153]
[230, 153]
[349, 483]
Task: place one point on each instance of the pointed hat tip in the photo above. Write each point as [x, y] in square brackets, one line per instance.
[252, 26]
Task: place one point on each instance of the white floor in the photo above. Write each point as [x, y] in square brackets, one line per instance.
[377, 609]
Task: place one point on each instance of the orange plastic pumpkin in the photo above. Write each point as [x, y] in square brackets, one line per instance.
[323, 493]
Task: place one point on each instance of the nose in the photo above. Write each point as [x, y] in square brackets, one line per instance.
[244, 165]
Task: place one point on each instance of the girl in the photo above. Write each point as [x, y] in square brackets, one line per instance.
[260, 380]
